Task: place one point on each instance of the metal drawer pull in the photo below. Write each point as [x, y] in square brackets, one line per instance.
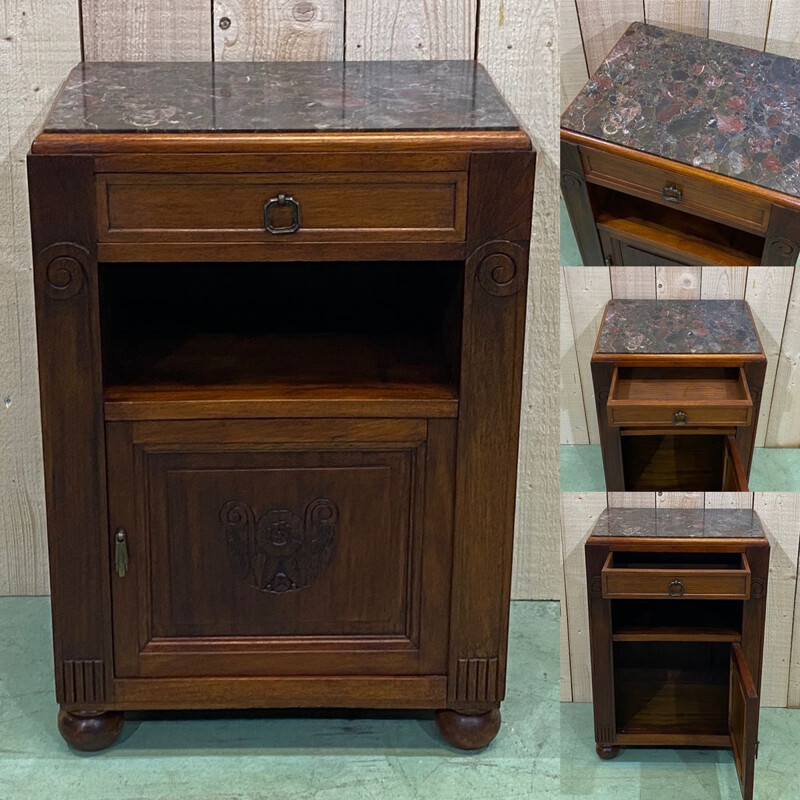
[676, 589]
[680, 418]
[282, 200]
[672, 193]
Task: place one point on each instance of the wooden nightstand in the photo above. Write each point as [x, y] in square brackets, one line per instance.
[684, 151]
[280, 316]
[677, 602]
[678, 386]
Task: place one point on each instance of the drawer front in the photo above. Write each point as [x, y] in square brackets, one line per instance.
[668, 188]
[276, 547]
[675, 583]
[679, 398]
[303, 207]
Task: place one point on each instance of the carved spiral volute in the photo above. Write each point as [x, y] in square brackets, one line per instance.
[64, 266]
[500, 268]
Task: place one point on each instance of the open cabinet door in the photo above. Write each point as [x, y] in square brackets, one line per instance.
[743, 720]
[734, 478]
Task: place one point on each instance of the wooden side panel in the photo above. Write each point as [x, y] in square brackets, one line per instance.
[589, 290]
[65, 279]
[277, 30]
[517, 43]
[602, 24]
[579, 207]
[780, 514]
[601, 655]
[784, 421]
[742, 22]
[38, 50]
[174, 30]
[574, 72]
[404, 29]
[501, 186]
[783, 35]
[573, 413]
[689, 16]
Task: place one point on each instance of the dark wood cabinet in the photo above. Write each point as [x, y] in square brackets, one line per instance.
[664, 166]
[677, 387]
[280, 380]
[677, 602]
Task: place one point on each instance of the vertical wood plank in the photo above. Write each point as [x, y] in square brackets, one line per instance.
[689, 16]
[406, 29]
[780, 514]
[678, 283]
[728, 500]
[41, 42]
[573, 412]
[679, 499]
[633, 283]
[768, 291]
[579, 512]
[602, 24]
[723, 283]
[140, 30]
[631, 499]
[517, 44]
[278, 30]
[574, 72]
[588, 291]
[742, 22]
[783, 35]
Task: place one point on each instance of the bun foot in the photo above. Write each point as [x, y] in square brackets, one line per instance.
[468, 731]
[90, 730]
[607, 751]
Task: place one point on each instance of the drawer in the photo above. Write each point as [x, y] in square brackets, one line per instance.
[695, 195]
[679, 397]
[285, 207]
[722, 576]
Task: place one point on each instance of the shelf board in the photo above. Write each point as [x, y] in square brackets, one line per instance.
[676, 633]
[226, 375]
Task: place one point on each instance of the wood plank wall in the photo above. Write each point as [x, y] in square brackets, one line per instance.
[590, 28]
[773, 295]
[780, 514]
[41, 41]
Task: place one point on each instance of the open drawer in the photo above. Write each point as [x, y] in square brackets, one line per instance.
[720, 576]
[679, 397]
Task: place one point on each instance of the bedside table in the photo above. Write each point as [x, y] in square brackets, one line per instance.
[684, 151]
[678, 386]
[280, 313]
[677, 602]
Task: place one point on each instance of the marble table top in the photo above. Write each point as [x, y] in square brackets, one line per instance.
[716, 106]
[693, 523]
[678, 326]
[278, 97]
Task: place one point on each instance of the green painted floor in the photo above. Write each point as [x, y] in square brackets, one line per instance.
[774, 469]
[347, 756]
[677, 774]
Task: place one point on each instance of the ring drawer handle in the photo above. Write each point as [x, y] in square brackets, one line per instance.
[676, 589]
[672, 193]
[680, 418]
[282, 200]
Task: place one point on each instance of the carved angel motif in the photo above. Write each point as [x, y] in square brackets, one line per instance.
[280, 551]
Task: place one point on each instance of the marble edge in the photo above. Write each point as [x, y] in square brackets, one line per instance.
[656, 512]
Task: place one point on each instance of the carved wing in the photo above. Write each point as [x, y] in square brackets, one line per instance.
[239, 523]
[321, 519]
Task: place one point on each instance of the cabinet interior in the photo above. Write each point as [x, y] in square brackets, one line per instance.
[672, 687]
[674, 231]
[677, 620]
[282, 329]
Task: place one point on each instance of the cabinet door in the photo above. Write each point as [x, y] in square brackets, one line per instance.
[734, 478]
[743, 720]
[298, 547]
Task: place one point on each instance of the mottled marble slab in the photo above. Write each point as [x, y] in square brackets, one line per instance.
[720, 107]
[693, 523]
[678, 326]
[279, 96]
